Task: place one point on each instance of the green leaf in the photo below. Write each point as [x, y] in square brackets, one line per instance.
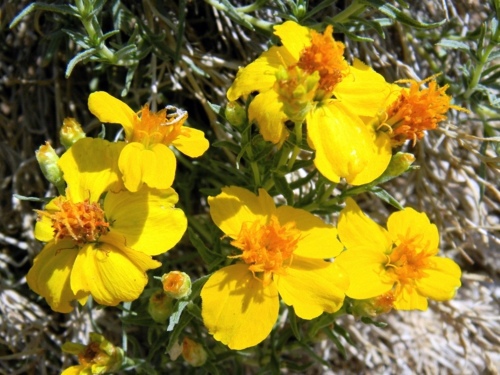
[205, 253]
[336, 341]
[82, 56]
[217, 109]
[292, 318]
[283, 188]
[181, 21]
[386, 197]
[454, 44]
[368, 320]
[80, 39]
[232, 13]
[32, 199]
[176, 315]
[62, 9]
[392, 12]
[233, 147]
[178, 329]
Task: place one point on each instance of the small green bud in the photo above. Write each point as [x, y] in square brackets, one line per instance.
[193, 353]
[235, 114]
[398, 165]
[176, 284]
[71, 132]
[373, 306]
[48, 159]
[160, 307]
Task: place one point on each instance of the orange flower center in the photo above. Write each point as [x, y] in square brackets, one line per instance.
[326, 56]
[83, 221]
[407, 264]
[158, 127]
[416, 111]
[173, 282]
[267, 248]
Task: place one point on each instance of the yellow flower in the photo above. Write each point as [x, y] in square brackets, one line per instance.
[282, 252]
[100, 247]
[415, 110]
[98, 357]
[308, 79]
[147, 157]
[401, 259]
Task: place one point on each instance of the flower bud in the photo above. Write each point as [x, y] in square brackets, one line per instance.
[235, 114]
[399, 164]
[71, 132]
[193, 353]
[160, 307]
[373, 306]
[48, 159]
[98, 357]
[176, 284]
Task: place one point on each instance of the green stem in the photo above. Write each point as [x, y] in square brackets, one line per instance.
[95, 36]
[296, 147]
[483, 60]
[355, 8]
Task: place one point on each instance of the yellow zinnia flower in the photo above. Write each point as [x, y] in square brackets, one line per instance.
[414, 110]
[308, 79]
[147, 157]
[400, 260]
[282, 254]
[100, 247]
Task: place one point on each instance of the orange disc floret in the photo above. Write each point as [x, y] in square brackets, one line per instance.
[82, 221]
[326, 56]
[267, 248]
[158, 127]
[417, 110]
[407, 263]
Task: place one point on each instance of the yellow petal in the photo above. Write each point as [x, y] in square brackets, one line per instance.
[110, 274]
[266, 111]
[414, 227]
[191, 142]
[43, 229]
[357, 229]
[237, 309]
[442, 281]
[74, 370]
[366, 271]
[364, 91]
[90, 167]
[312, 287]
[155, 166]
[147, 220]
[235, 205]
[259, 75]
[293, 37]
[380, 158]
[409, 299]
[107, 108]
[50, 274]
[345, 146]
[315, 233]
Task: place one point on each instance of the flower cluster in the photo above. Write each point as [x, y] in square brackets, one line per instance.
[116, 205]
[117, 210]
